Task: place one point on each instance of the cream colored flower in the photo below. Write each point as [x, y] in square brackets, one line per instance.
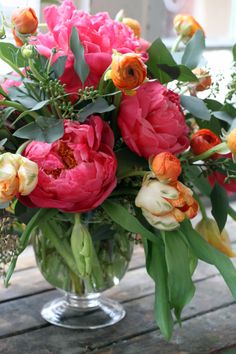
[165, 206]
[17, 175]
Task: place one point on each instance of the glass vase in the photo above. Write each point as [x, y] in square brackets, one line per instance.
[82, 266]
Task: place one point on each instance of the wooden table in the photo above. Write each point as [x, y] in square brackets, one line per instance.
[209, 322]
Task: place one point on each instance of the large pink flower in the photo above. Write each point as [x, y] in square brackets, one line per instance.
[152, 121]
[77, 172]
[99, 34]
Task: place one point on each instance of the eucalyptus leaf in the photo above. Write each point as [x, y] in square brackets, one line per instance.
[223, 116]
[59, 66]
[100, 105]
[195, 106]
[220, 205]
[18, 95]
[80, 65]
[193, 50]
[43, 129]
[196, 177]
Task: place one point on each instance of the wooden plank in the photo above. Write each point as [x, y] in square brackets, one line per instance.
[23, 315]
[207, 334]
[136, 282]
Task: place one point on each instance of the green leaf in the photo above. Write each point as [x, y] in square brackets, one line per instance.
[186, 75]
[220, 205]
[195, 106]
[213, 105]
[18, 95]
[12, 53]
[223, 116]
[193, 50]
[44, 129]
[128, 162]
[159, 55]
[23, 213]
[181, 287]
[157, 269]
[196, 177]
[59, 66]
[40, 105]
[211, 255]
[80, 65]
[122, 217]
[100, 105]
[234, 52]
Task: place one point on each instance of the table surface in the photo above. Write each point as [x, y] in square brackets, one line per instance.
[209, 321]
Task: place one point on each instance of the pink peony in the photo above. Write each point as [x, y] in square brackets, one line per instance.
[99, 34]
[152, 121]
[77, 172]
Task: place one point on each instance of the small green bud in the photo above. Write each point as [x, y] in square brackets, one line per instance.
[2, 33]
[27, 51]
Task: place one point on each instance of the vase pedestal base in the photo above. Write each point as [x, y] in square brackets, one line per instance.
[83, 312]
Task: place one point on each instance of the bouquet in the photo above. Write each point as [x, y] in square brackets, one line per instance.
[107, 139]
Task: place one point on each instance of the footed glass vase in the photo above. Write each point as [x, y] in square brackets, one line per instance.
[82, 255]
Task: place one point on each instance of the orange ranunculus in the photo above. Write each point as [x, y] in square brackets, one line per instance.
[231, 141]
[163, 205]
[203, 140]
[128, 71]
[204, 79]
[186, 26]
[25, 22]
[166, 167]
[209, 230]
[133, 24]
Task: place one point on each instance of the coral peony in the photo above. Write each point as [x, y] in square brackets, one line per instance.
[203, 140]
[152, 121]
[99, 35]
[77, 172]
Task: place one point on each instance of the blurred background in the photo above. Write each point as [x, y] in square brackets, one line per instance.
[218, 17]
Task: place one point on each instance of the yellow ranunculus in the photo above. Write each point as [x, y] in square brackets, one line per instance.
[209, 230]
[17, 175]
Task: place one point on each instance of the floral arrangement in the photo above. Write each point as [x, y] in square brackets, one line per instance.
[94, 119]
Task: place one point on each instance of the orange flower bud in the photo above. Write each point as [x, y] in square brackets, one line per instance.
[134, 25]
[203, 140]
[25, 22]
[128, 71]
[166, 167]
[186, 26]
[231, 141]
[204, 79]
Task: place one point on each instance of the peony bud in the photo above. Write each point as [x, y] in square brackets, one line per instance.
[209, 230]
[186, 26]
[203, 140]
[134, 25]
[165, 206]
[17, 175]
[128, 71]
[166, 167]
[204, 80]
